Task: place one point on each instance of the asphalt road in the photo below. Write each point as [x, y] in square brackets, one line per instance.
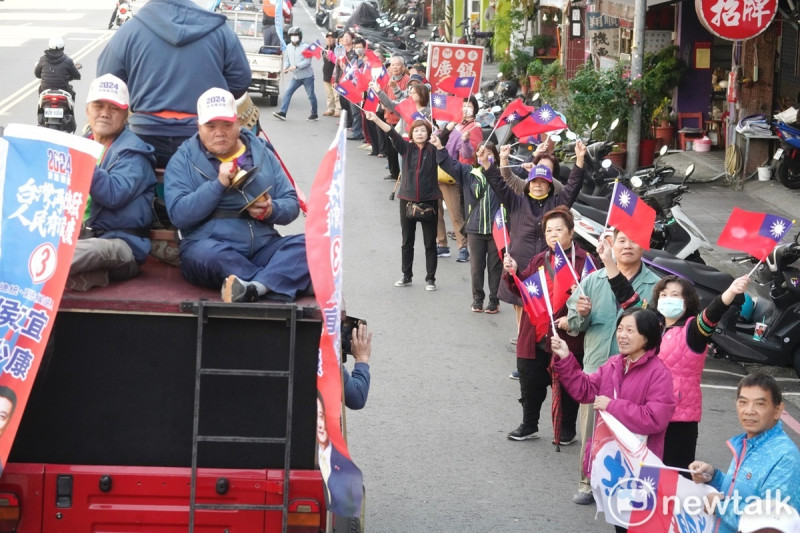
[431, 441]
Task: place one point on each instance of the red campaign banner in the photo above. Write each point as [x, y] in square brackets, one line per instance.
[736, 20]
[324, 225]
[45, 176]
[446, 60]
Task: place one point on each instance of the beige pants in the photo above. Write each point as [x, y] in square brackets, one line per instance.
[586, 423]
[452, 197]
[332, 98]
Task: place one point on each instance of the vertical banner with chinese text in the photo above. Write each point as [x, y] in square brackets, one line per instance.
[44, 181]
[343, 479]
[447, 60]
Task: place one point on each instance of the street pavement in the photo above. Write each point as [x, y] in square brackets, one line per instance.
[431, 441]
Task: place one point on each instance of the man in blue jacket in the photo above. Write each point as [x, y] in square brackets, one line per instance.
[766, 463]
[115, 236]
[225, 190]
[169, 54]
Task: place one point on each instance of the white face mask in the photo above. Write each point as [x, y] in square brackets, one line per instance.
[468, 111]
[359, 51]
[295, 39]
[670, 306]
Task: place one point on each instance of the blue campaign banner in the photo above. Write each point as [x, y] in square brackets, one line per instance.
[44, 181]
[279, 23]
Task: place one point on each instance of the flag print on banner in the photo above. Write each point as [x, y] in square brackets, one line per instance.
[444, 107]
[631, 215]
[588, 267]
[46, 176]
[753, 233]
[533, 296]
[324, 242]
[634, 490]
[313, 50]
[500, 232]
[541, 120]
[459, 86]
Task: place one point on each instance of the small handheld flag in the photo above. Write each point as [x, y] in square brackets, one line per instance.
[459, 86]
[500, 232]
[631, 215]
[754, 233]
[313, 50]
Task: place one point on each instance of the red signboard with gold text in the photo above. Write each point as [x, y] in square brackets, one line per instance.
[736, 20]
[455, 61]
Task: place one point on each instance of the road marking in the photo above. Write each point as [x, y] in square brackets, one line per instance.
[728, 372]
[791, 421]
[31, 87]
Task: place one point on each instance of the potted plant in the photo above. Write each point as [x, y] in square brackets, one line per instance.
[598, 95]
[536, 72]
[664, 130]
[552, 73]
[541, 42]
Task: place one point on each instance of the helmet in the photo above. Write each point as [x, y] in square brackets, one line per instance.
[56, 43]
[294, 30]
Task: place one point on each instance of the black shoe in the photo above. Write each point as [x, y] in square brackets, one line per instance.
[389, 178]
[567, 438]
[236, 290]
[353, 138]
[493, 307]
[477, 306]
[403, 282]
[279, 114]
[524, 432]
[313, 116]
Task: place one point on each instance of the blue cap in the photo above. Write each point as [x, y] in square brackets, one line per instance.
[540, 171]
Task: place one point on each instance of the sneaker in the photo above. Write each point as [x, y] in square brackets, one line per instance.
[513, 341]
[404, 282]
[567, 438]
[430, 286]
[514, 375]
[493, 307]
[524, 432]
[312, 117]
[354, 138]
[327, 114]
[443, 251]
[583, 498]
[280, 115]
[236, 290]
[477, 306]
[463, 255]
[389, 178]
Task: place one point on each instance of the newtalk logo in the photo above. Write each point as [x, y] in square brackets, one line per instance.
[634, 502]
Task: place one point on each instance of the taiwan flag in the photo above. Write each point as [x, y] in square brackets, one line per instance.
[515, 112]
[459, 86]
[563, 277]
[407, 109]
[541, 120]
[380, 76]
[754, 233]
[500, 232]
[371, 101]
[444, 107]
[533, 301]
[588, 267]
[314, 50]
[348, 89]
[632, 216]
[361, 78]
[372, 59]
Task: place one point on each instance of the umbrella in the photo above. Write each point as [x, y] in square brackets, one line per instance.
[555, 410]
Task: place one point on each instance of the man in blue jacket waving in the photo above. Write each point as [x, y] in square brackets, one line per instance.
[225, 190]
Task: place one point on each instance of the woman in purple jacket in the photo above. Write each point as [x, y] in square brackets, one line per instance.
[634, 386]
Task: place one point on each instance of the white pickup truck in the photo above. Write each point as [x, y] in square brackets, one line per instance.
[267, 68]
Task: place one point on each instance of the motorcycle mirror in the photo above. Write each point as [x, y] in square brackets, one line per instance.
[594, 126]
[555, 138]
[479, 97]
[500, 75]
[663, 150]
[496, 109]
[689, 171]
[535, 97]
[490, 94]
[636, 181]
[571, 135]
[412, 36]
[614, 125]
[606, 164]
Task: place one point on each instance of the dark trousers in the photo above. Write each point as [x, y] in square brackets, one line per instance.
[409, 230]
[164, 147]
[376, 137]
[483, 256]
[680, 443]
[394, 162]
[345, 103]
[534, 378]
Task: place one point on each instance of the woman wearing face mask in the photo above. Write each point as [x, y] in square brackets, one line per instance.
[525, 211]
[683, 347]
[419, 184]
[461, 144]
[300, 67]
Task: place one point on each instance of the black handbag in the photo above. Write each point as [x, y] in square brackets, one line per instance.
[419, 212]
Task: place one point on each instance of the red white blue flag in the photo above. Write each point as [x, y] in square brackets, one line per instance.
[541, 120]
[631, 215]
[754, 233]
[407, 109]
[513, 114]
[324, 241]
[349, 90]
[458, 85]
[45, 176]
[500, 232]
[532, 291]
[313, 50]
[444, 107]
[564, 277]
[588, 267]
[371, 101]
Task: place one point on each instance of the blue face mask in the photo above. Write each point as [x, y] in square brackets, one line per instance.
[670, 307]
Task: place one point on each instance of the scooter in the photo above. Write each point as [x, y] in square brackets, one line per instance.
[56, 110]
[124, 13]
[788, 155]
[764, 330]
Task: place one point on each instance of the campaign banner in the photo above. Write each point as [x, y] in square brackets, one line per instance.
[44, 182]
[634, 489]
[448, 61]
[324, 241]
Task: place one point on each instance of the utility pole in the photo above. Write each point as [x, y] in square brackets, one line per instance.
[637, 59]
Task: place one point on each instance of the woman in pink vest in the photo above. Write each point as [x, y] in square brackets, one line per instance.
[683, 348]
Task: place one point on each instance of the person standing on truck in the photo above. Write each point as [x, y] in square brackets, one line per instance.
[169, 54]
[295, 62]
[227, 224]
[115, 237]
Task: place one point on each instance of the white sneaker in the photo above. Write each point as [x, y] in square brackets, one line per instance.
[431, 286]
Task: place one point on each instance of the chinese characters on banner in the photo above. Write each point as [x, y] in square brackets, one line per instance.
[736, 20]
[44, 180]
[602, 34]
[456, 60]
[324, 225]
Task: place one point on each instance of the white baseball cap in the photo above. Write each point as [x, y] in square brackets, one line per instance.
[767, 514]
[109, 88]
[216, 104]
